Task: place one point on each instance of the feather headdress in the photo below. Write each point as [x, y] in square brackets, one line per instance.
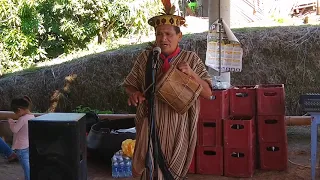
[167, 17]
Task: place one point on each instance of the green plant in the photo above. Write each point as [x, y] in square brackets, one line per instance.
[85, 109]
[33, 31]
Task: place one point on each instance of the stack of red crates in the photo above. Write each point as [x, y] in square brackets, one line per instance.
[272, 136]
[208, 158]
[240, 129]
[240, 133]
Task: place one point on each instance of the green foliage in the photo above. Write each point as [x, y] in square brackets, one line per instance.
[67, 25]
[36, 30]
[140, 13]
[13, 42]
[85, 109]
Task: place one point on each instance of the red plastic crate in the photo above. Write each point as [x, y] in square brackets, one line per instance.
[217, 108]
[239, 133]
[243, 101]
[209, 160]
[239, 162]
[257, 156]
[274, 156]
[272, 129]
[192, 168]
[210, 132]
[271, 99]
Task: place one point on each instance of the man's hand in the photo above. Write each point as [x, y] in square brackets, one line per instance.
[136, 98]
[185, 68]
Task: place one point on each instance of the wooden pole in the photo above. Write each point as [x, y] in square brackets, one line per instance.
[4, 115]
[298, 120]
[290, 120]
[219, 9]
[318, 7]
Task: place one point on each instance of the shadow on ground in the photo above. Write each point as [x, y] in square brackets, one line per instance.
[298, 165]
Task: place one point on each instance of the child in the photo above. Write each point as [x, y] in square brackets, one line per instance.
[6, 151]
[21, 107]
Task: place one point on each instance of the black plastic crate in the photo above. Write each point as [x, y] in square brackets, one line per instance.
[310, 102]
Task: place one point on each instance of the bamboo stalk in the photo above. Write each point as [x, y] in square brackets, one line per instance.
[290, 120]
[9, 114]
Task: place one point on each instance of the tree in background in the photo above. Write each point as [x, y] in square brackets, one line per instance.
[36, 30]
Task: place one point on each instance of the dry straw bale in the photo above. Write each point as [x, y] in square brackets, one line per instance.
[288, 55]
[93, 81]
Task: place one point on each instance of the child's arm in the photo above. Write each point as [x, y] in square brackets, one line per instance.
[15, 126]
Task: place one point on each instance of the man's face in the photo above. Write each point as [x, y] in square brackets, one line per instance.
[167, 38]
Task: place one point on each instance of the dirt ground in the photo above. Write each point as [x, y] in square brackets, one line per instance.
[298, 165]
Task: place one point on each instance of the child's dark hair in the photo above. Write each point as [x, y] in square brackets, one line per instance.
[22, 103]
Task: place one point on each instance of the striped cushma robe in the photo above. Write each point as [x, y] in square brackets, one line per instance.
[177, 133]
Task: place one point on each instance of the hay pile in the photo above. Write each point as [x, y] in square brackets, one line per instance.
[288, 55]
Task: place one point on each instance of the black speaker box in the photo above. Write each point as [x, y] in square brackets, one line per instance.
[57, 143]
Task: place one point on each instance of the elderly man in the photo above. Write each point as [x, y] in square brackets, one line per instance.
[176, 132]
